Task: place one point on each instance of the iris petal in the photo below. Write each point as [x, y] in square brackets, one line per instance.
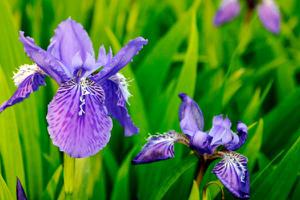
[71, 42]
[228, 10]
[233, 173]
[269, 15]
[30, 84]
[78, 120]
[116, 105]
[240, 138]
[48, 63]
[190, 116]
[121, 59]
[159, 147]
[201, 142]
[20, 191]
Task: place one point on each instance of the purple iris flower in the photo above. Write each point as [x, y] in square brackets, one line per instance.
[228, 10]
[20, 191]
[219, 142]
[269, 15]
[267, 10]
[78, 117]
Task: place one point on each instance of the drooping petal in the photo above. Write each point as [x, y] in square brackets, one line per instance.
[115, 101]
[48, 63]
[228, 10]
[269, 15]
[233, 173]
[78, 120]
[190, 116]
[28, 79]
[221, 131]
[240, 139]
[201, 142]
[159, 147]
[20, 191]
[121, 59]
[71, 42]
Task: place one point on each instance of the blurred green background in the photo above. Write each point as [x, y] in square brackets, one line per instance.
[240, 70]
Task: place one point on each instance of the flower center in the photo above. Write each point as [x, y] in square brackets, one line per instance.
[84, 84]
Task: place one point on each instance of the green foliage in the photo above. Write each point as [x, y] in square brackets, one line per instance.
[239, 69]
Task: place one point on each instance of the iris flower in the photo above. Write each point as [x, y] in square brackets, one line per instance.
[78, 116]
[268, 13]
[219, 142]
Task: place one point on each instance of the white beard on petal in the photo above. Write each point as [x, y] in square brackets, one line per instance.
[25, 71]
[122, 84]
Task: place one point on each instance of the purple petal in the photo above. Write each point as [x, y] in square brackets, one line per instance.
[240, 139]
[49, 64]
[201, 142]
[269, 15]
[71, 42]
[104, 58]
[25, 88]
[190, 116]
[221, 132]
[233, 173]
[78, 120]
[159, 147]
[20, 191]
[121, 59]
[227, 11]
[116, 105]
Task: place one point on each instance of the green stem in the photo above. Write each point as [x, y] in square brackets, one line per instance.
[204, 194]
[201, 171]
[69, 173]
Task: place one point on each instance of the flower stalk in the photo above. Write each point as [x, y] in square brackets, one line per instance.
[69, 174]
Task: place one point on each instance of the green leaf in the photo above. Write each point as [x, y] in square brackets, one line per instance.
[10, 148]
[279, 181]
[121, 187]
[187, 78]
[156, 65]
[53, 184]
[276, 121]
[4, 191]
[177, 171]
[195, 192]
[253, 146]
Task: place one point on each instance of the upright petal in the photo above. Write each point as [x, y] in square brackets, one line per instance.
[49, 64]
[201, 142]
[190, 116]
[269, 15]
[115, 102]
[233, 173]
[104, 58]
[159, 147]
[121, 59]
[71, 42]
[20, 191]
[227, 11]
[221, 131]
[78, 120]
[240, 139]
[28, 79]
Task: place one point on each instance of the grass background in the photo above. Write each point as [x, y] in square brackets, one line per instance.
[240, 70]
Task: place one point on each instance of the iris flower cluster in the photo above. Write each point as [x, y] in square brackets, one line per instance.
[268, 12]
[92, 90]
[220, 142]
[79, 121]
